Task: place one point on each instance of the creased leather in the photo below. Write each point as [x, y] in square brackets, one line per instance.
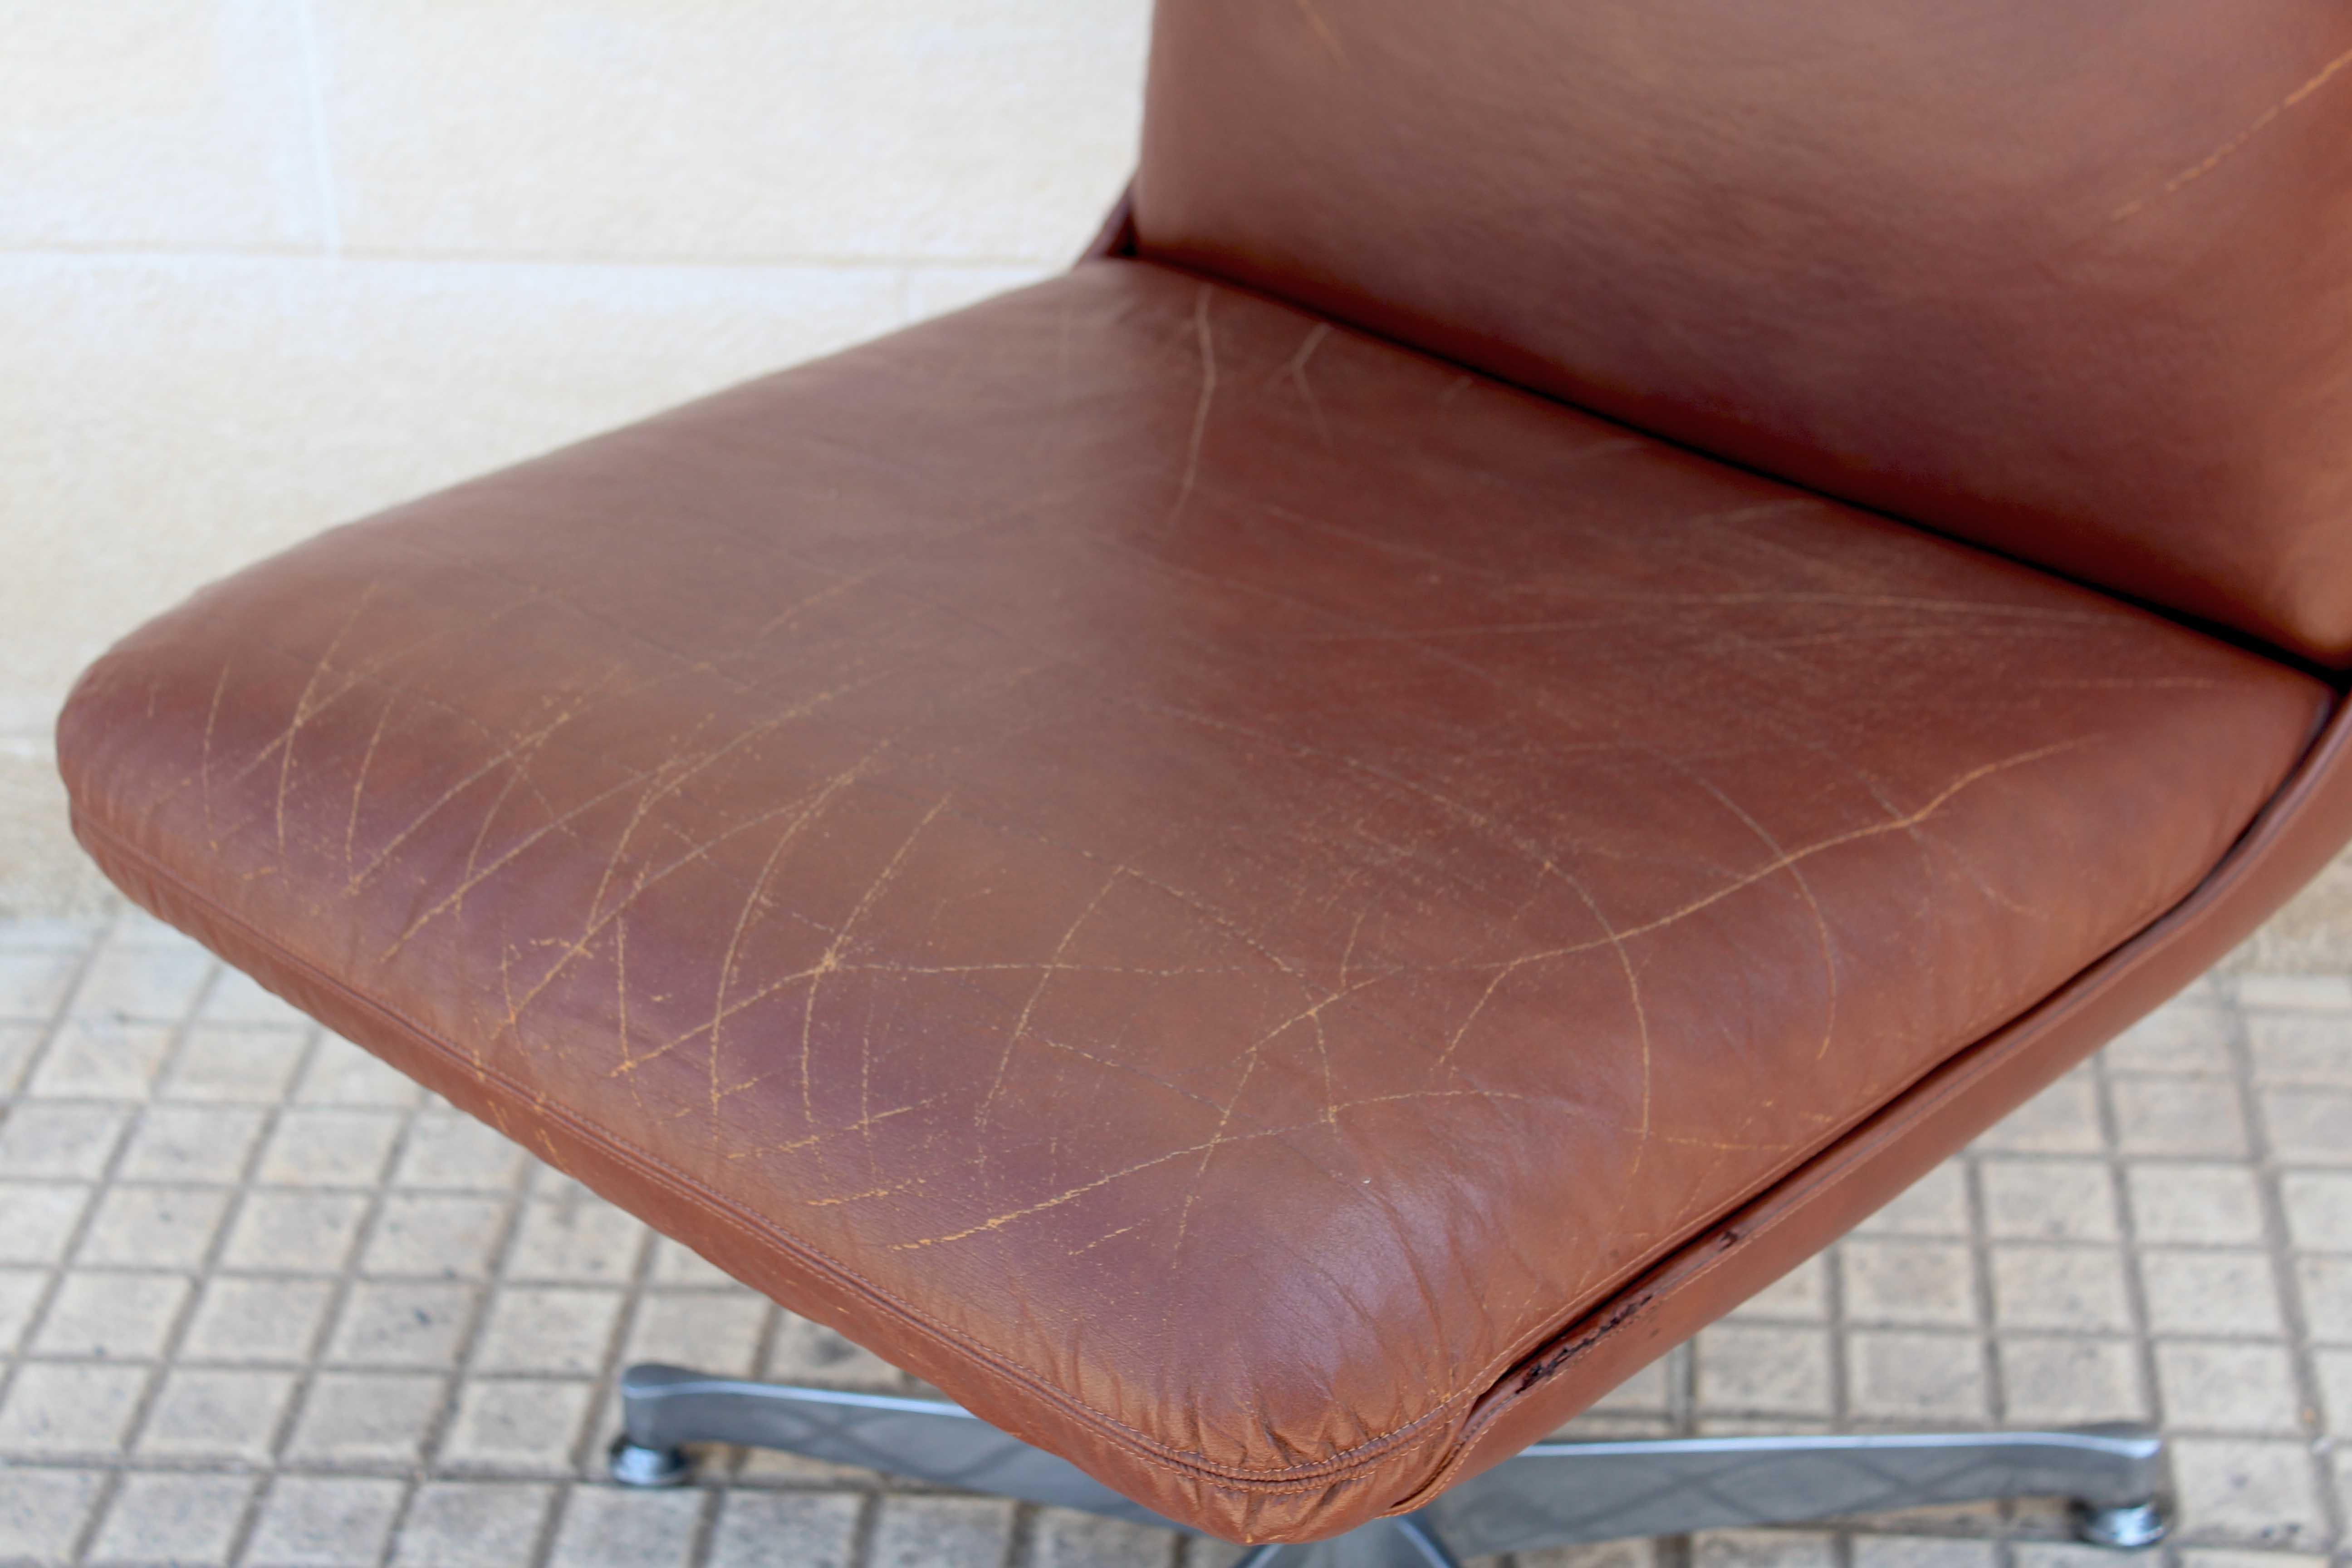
[2299, 832]
[2068, 278]
[1206, 882]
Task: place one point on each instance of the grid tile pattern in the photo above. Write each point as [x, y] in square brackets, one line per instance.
[265, 1302]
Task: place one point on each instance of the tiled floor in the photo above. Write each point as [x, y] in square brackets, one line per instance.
[263, 1302]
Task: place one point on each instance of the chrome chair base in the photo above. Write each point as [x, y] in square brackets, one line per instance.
[1549, 1494]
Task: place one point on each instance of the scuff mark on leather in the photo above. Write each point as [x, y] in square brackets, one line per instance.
[1542, 1369]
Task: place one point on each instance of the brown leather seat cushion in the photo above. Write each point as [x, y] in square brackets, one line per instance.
[1203, 881]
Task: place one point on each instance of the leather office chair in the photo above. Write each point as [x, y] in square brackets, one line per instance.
[1596, 632]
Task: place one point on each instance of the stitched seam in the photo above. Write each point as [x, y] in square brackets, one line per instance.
[1345, 1465]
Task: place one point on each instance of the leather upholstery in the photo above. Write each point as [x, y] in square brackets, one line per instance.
[2069, 279]
[1221, 888]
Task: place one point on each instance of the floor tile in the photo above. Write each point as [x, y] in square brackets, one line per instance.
[1763, 1548]
[43, 1511]
[2319, 1209]
[2049, 1200]
[58, 1141]
[2334, 1370]
[940, 1532]
[2182, 1117]
[18, 1045]
[602, 1528]
[2179, 1037]
[295, 1232]
[1060, 1539]
[1904, 1281]
[2210, 1292]
[2213, 1387]
[156, 985]
[70, 1407]
[2038, 1287]
[550, 1329]
[1937, 1379]
[1801, 1294]
[181, 1519]
[582, 1241]
[2307, 992]
[442, 1237]
[2069, 1380]
[20, 1293]
[1935, 1205]
[37, 1219]
[802, 1351]
[523, 1426]
[341, 1073]
[120, 1317]
[2248, 1491]
[2061, 1119]
[2305, 1122]
[2301, 1048]
[1595, 1554]
[676, 1264]
[453, 1149]
[465, 1524]
[1764, 1370]
[366, 1419]
[100, 1059]
[192, 1143]
[251, 1066]
[397, 1324]
[760, 1528]
[2326, 1284]
[34, 982]
[153, 1227]
[2215, 1204]
[257, 1321]
[323, 1521]
[206, 1414]
[699, 1328]
[317, 1147]
[238, 1000]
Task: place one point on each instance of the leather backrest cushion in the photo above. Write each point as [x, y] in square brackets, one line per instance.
[2068, 278]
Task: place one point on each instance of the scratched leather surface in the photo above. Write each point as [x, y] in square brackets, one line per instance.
[2066, 277]
[1236, 877]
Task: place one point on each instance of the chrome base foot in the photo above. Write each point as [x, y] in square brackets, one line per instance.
[2126, 1527]
[636, 1465]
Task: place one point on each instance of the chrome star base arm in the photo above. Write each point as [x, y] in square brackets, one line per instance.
[663, 1409]
[1551, 1494]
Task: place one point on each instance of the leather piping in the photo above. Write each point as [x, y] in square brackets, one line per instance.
[1495, 1385]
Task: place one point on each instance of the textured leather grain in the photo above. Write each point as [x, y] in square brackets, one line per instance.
[2072, 279]
[2297, 833]
[1210, 884]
